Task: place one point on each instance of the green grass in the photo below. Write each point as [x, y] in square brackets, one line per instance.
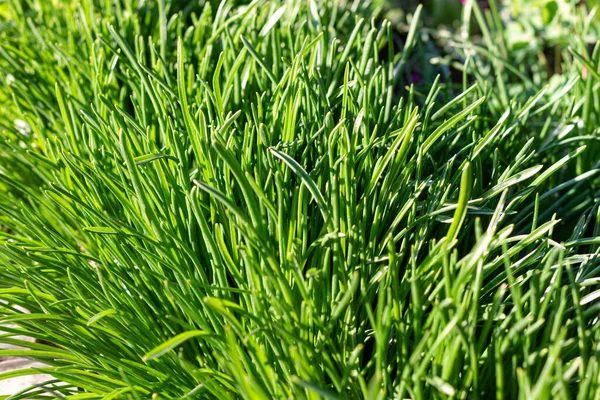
[261, 201]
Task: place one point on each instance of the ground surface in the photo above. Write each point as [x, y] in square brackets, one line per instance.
[15, 385]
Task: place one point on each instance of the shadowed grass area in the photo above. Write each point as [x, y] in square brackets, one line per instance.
[299, 199]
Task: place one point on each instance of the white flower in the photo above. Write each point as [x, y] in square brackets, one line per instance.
[22, 127]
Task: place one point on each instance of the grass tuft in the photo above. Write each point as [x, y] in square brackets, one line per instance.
[299, 199]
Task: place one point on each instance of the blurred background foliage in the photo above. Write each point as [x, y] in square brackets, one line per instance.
[535, 36]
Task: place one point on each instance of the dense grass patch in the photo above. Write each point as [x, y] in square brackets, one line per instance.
[300, 199]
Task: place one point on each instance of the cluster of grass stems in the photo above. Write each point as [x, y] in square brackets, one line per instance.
[203, 200]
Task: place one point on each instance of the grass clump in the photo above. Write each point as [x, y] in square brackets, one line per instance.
[204, 200]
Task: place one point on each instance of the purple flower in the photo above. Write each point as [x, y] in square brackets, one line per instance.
[415, 77]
